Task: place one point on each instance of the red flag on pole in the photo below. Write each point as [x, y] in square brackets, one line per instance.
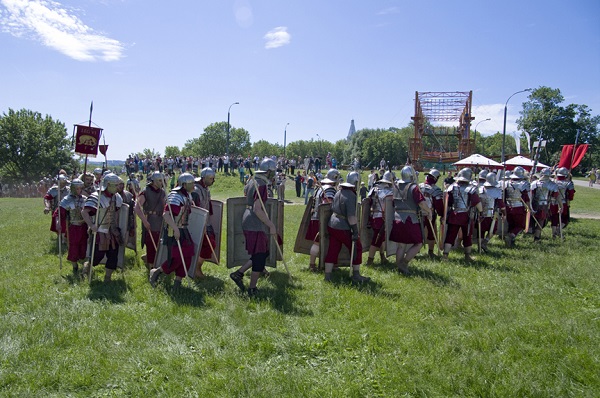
[103, 149]
[86, 140]
[567, 155]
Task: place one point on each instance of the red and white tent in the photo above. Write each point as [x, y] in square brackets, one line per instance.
[524, 162]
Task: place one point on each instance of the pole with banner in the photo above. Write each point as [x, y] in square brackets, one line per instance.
[87, 139]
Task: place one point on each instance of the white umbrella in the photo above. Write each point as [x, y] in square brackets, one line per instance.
[478, 160]
[523, 162]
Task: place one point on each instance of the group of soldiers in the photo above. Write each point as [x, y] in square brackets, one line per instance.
[95, 216]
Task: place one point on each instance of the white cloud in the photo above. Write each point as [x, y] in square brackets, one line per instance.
[54, 26]
[277, 37]
[496, 113]
[390, 10]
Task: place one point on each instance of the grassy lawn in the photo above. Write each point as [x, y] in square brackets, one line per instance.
[518, 322]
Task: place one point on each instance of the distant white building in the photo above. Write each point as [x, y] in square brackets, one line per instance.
[352, 129]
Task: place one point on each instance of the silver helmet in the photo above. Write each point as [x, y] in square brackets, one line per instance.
[483, 174]
[352, 180]
[110, 183]
[545, 173]
[518, 173]
[388, 177]
[207, 172]
[186, 180]
[98, 172]
[267, 167]
[563, 172]
[407, 174]
[62, 181]
[76, 183]
[333, 175]
[435, 173]
[464, 175]
[157, 178]
[490, 180]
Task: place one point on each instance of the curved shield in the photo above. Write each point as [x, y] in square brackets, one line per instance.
[303, 245]
[390, 245]
[216, 220]
[196, 223]
[236, 242]
[366, 232]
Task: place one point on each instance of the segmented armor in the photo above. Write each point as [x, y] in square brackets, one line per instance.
[53, 192]
[107, 213]
[404, 203]
[488, 197]
[563, 186]
[460, 195]
[430, 192]
[177, 197]
[73, 204]
[542, 191]
[514, 190]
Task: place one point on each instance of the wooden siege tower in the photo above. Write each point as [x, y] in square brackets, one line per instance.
[442, 142]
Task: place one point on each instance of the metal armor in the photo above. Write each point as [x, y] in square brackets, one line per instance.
[513, 192]
[488, 196]
[177, 198]
[204, 195]
[563, 186]
[319, 195]
[106, 212]
[430, 192]
[460, 195]
[53, 191]
[153, 207]
[73, 204]
[542, 189]
[404, 204]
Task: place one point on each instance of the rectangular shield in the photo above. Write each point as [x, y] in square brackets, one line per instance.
[303, 245]
[278, 205]
[366, 232]
[216, 220]
[123, 224]
[196, 223]
[324, 216]
[236, 242]
[390, 215]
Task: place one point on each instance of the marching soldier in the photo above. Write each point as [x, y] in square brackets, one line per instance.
[560, 205]
[104, 207]
[461, 198]
[133, 185]
[88, 183]
[70, 213]
[176, 236]
[201, 198]
[149, 208]
[517, 204]
[542, 191]
[435, 202]
[408, 224]
[343, 229]
[256, 226]
[324, 194]
[492, 204]
[52, 200]
[381, 190]
[129, 199]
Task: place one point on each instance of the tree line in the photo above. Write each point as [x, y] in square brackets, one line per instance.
[33, 146]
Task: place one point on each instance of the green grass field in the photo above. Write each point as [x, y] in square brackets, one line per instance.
[518, 322]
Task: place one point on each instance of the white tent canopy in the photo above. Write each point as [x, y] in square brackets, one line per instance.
[523, 162]
[478, 160]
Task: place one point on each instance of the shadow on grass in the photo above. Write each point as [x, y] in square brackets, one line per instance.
[280, 294]
[112, 291]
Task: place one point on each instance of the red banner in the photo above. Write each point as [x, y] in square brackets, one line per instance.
[86, 140]
[103, 149]
[567, 155]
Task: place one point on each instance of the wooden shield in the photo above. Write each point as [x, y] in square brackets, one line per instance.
[278, 205]
[390, 215]
[324, 216]
[131, 243]
[196, 223]
[366, 232]
[302, 244]
[216, 220]
[236, 242]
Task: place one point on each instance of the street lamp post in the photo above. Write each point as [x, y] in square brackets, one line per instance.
[475, 140]
[284, 138]
[320, 146]
[228, 116]
[504, 128]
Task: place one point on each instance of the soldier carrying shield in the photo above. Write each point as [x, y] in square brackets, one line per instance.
[149, 208]
[434, 199]
[70, 213]
[201, 198]
[381, 190]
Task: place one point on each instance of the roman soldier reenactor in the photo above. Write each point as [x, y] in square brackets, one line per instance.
[72, 222]
[129, 199]
[104, 207]
[88, 184]
[461, 200]
[407, 229]
[492, 205]
[517, 204]
[176, 236]
[343, 229]
[52, 200]
[98, 178]
[149, 208]
[542, 191]
[560, 205]
[201, 198]
[434, 197]
[377, 195]
[133, 185]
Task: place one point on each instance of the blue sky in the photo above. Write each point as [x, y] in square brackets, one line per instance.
[159, 72]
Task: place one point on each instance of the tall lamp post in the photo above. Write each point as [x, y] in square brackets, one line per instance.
[475, 140]
[228, 116]
[284, 137]
[320, 146]
[504, 128]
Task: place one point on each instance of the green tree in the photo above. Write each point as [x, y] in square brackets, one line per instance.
[172, 151]
[543, 116]
[148, 153]
[213, 141]
[264, 148]
[32, 146]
